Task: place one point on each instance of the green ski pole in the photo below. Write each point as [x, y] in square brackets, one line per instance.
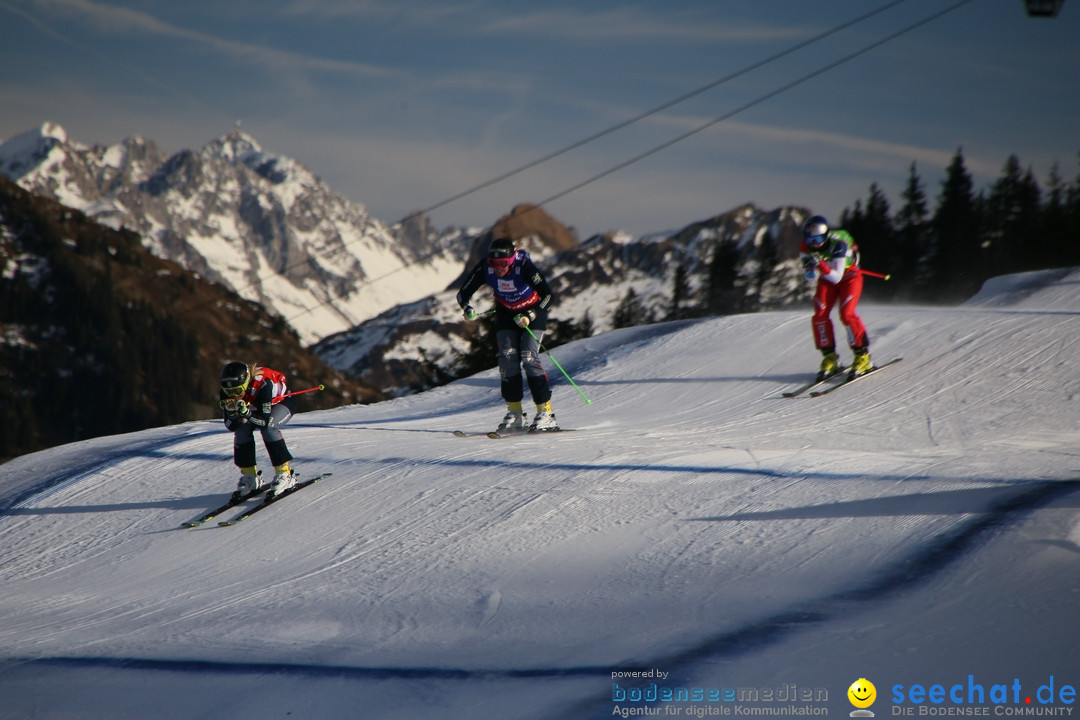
[565, 374]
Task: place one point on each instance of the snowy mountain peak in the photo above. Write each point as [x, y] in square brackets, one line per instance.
[235, 145]
[239, 148]
[41, 135]
[257, 222]
[31, 148]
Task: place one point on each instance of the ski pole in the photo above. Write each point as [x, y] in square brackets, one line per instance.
[871, 273]
[279, 398]
[565, 374]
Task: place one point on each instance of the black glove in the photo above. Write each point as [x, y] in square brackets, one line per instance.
[808, 263]
[468, 311]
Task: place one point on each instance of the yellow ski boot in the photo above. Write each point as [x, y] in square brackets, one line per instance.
[862, 363]
[830, 365]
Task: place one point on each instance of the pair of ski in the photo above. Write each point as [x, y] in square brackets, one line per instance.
[496, 435]
[235, 501]
[826, 385]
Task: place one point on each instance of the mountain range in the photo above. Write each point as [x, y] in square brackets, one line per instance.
[376, 299]
[261, 224]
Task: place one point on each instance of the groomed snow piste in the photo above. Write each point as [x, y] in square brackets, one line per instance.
[919, 528]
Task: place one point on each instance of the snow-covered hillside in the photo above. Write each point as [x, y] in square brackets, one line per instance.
[919, 528]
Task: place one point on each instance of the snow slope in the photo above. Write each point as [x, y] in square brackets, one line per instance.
[919, 527]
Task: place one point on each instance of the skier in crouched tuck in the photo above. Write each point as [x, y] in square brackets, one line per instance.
[522, 300]
[832, 258]
[250, 398]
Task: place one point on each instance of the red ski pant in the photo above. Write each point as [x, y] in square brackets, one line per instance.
[846, 294]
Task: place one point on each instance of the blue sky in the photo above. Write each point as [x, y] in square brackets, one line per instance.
[402, 104]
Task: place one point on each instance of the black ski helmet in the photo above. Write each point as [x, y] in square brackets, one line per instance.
[501, 248]
[815, 231]
[235, 378]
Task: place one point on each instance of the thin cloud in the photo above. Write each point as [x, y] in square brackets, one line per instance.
[122, 21]
[568, 23]
[631, 24]
[797, 140]
[856, 146]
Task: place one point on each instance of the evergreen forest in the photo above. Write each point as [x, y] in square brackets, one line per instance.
[942, 253]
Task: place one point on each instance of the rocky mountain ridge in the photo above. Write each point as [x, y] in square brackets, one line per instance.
[370, 297]
[742, 260]
[261, 224]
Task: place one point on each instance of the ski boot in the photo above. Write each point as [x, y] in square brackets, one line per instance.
[512, 422]
[544, 420]
[830, 364]
[284, 480]
[250, 482]
[861, 364]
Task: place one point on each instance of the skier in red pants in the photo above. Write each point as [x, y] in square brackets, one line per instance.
[833, 258]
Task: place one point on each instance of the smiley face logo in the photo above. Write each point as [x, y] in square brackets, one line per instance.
[862, 693]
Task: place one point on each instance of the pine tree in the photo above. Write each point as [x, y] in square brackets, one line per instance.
[560, 332]
[1054, 223]
[851, 220]
[1013, 205]
[912, 237]
[680, 291]
[768, 282]
[630, 312]
[720, 294]
[874, 235]
[1072, 215]
[957, 263]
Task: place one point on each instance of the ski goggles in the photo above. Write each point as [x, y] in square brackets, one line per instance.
[500, 263]
[815, 241]
[233, 390]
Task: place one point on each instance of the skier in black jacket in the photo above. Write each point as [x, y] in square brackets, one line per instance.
[522, 300]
